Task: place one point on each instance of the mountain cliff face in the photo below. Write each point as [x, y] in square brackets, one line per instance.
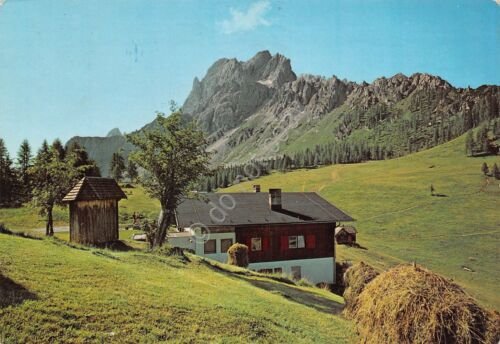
[246, 121]
[259, 109]
[232, 90]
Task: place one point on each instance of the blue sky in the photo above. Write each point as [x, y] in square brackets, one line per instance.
[82, 67]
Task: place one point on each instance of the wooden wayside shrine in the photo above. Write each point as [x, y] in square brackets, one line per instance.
[93, 209]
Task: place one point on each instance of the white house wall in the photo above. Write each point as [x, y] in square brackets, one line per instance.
[185, 242]
[316, 270]
[219, 256]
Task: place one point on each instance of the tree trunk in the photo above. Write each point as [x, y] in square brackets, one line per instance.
[49, 229]
[164, 223]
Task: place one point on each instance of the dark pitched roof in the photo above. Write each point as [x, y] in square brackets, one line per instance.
[253, 208]
[347, 229]
[95, 188]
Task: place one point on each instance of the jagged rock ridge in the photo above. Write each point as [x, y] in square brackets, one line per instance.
[259, 108]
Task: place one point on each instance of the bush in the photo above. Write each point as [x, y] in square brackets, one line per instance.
[304, 282]
[238, 255]
[409, 304]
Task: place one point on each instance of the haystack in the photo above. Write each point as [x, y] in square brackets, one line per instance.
[409, 304]
[355, 280]
[237, 255]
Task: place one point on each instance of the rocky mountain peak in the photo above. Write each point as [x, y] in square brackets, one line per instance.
[232, 90]
[257, 108]
[114, 132]
[423, 80]
[393, 89]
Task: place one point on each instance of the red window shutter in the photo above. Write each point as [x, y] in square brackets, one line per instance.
[311, 241]
[265, 243]
[284, 243]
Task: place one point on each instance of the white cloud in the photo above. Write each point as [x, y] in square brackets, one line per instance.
[497, 1]
[2, 2]
[247, 20]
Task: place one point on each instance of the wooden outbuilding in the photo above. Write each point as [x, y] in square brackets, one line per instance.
[345, 235]
[93, 209]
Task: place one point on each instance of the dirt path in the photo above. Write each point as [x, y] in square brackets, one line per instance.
[56, 229]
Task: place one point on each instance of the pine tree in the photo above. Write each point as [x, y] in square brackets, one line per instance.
[117, 166]
[59, 149]
[132, 171]
[316, 161]
[482, 138]
[24, 162]
[86, 166]
[225, 181]
[7, 177]
[469, 143]
[43, 151]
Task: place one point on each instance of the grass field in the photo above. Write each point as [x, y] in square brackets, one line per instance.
[51, 292]
[399, 221]
[60, 293]
[27, 218]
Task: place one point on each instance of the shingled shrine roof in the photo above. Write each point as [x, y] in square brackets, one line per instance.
[95, 188]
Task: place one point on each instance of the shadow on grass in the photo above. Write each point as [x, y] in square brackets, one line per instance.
[118, 245]
[243, 272]
[305, 298]
[290, 292]
[481, 154]
[356, 245]
[12, 293]
[5, 230]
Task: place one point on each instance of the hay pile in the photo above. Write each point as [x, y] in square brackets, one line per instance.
[355, 279]
[237, 255]
[409, 304]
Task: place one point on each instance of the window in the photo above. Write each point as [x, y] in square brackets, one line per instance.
[300, 242]
[278, 270]
[266, 271]
[210, 246]
[296, 241]
[256, 244]
[225, 244]
[296, 272]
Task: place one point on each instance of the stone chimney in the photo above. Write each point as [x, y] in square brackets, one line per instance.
[275, 199]
[256, 188]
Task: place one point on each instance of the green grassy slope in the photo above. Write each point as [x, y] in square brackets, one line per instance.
[65, 294]
[399, 221]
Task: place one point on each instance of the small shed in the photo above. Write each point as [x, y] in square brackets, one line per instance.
[93, 209]
[345, 235]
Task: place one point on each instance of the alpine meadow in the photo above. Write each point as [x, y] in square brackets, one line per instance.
[261, 171]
